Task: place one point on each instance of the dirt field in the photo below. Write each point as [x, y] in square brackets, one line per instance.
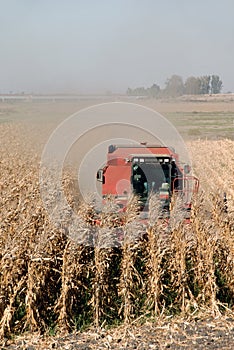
[206, 333]
[39, 269]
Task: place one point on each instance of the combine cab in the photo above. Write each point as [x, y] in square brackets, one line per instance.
[145, 169]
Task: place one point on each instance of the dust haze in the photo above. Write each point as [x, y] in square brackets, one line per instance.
[83, 138]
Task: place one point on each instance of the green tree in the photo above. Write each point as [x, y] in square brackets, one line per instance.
[129, 92]
[205, 84]
[139, 91]
[216, 84]
[192, 86]
[153, 91]
[174, 86]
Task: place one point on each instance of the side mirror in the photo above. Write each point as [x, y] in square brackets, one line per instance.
[100, 176]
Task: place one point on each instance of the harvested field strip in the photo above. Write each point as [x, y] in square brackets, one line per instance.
[213, 162]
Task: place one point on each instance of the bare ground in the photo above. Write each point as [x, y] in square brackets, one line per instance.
[198, 333]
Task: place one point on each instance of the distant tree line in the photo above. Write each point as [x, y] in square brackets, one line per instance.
[206, 84]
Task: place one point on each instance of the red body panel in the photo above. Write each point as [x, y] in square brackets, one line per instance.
[117, 180]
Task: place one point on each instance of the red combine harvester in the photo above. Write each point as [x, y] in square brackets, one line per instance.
[145, 169]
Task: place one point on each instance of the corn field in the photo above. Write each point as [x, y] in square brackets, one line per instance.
[49, 281]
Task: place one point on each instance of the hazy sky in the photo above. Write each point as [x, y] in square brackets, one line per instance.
[98, 45]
